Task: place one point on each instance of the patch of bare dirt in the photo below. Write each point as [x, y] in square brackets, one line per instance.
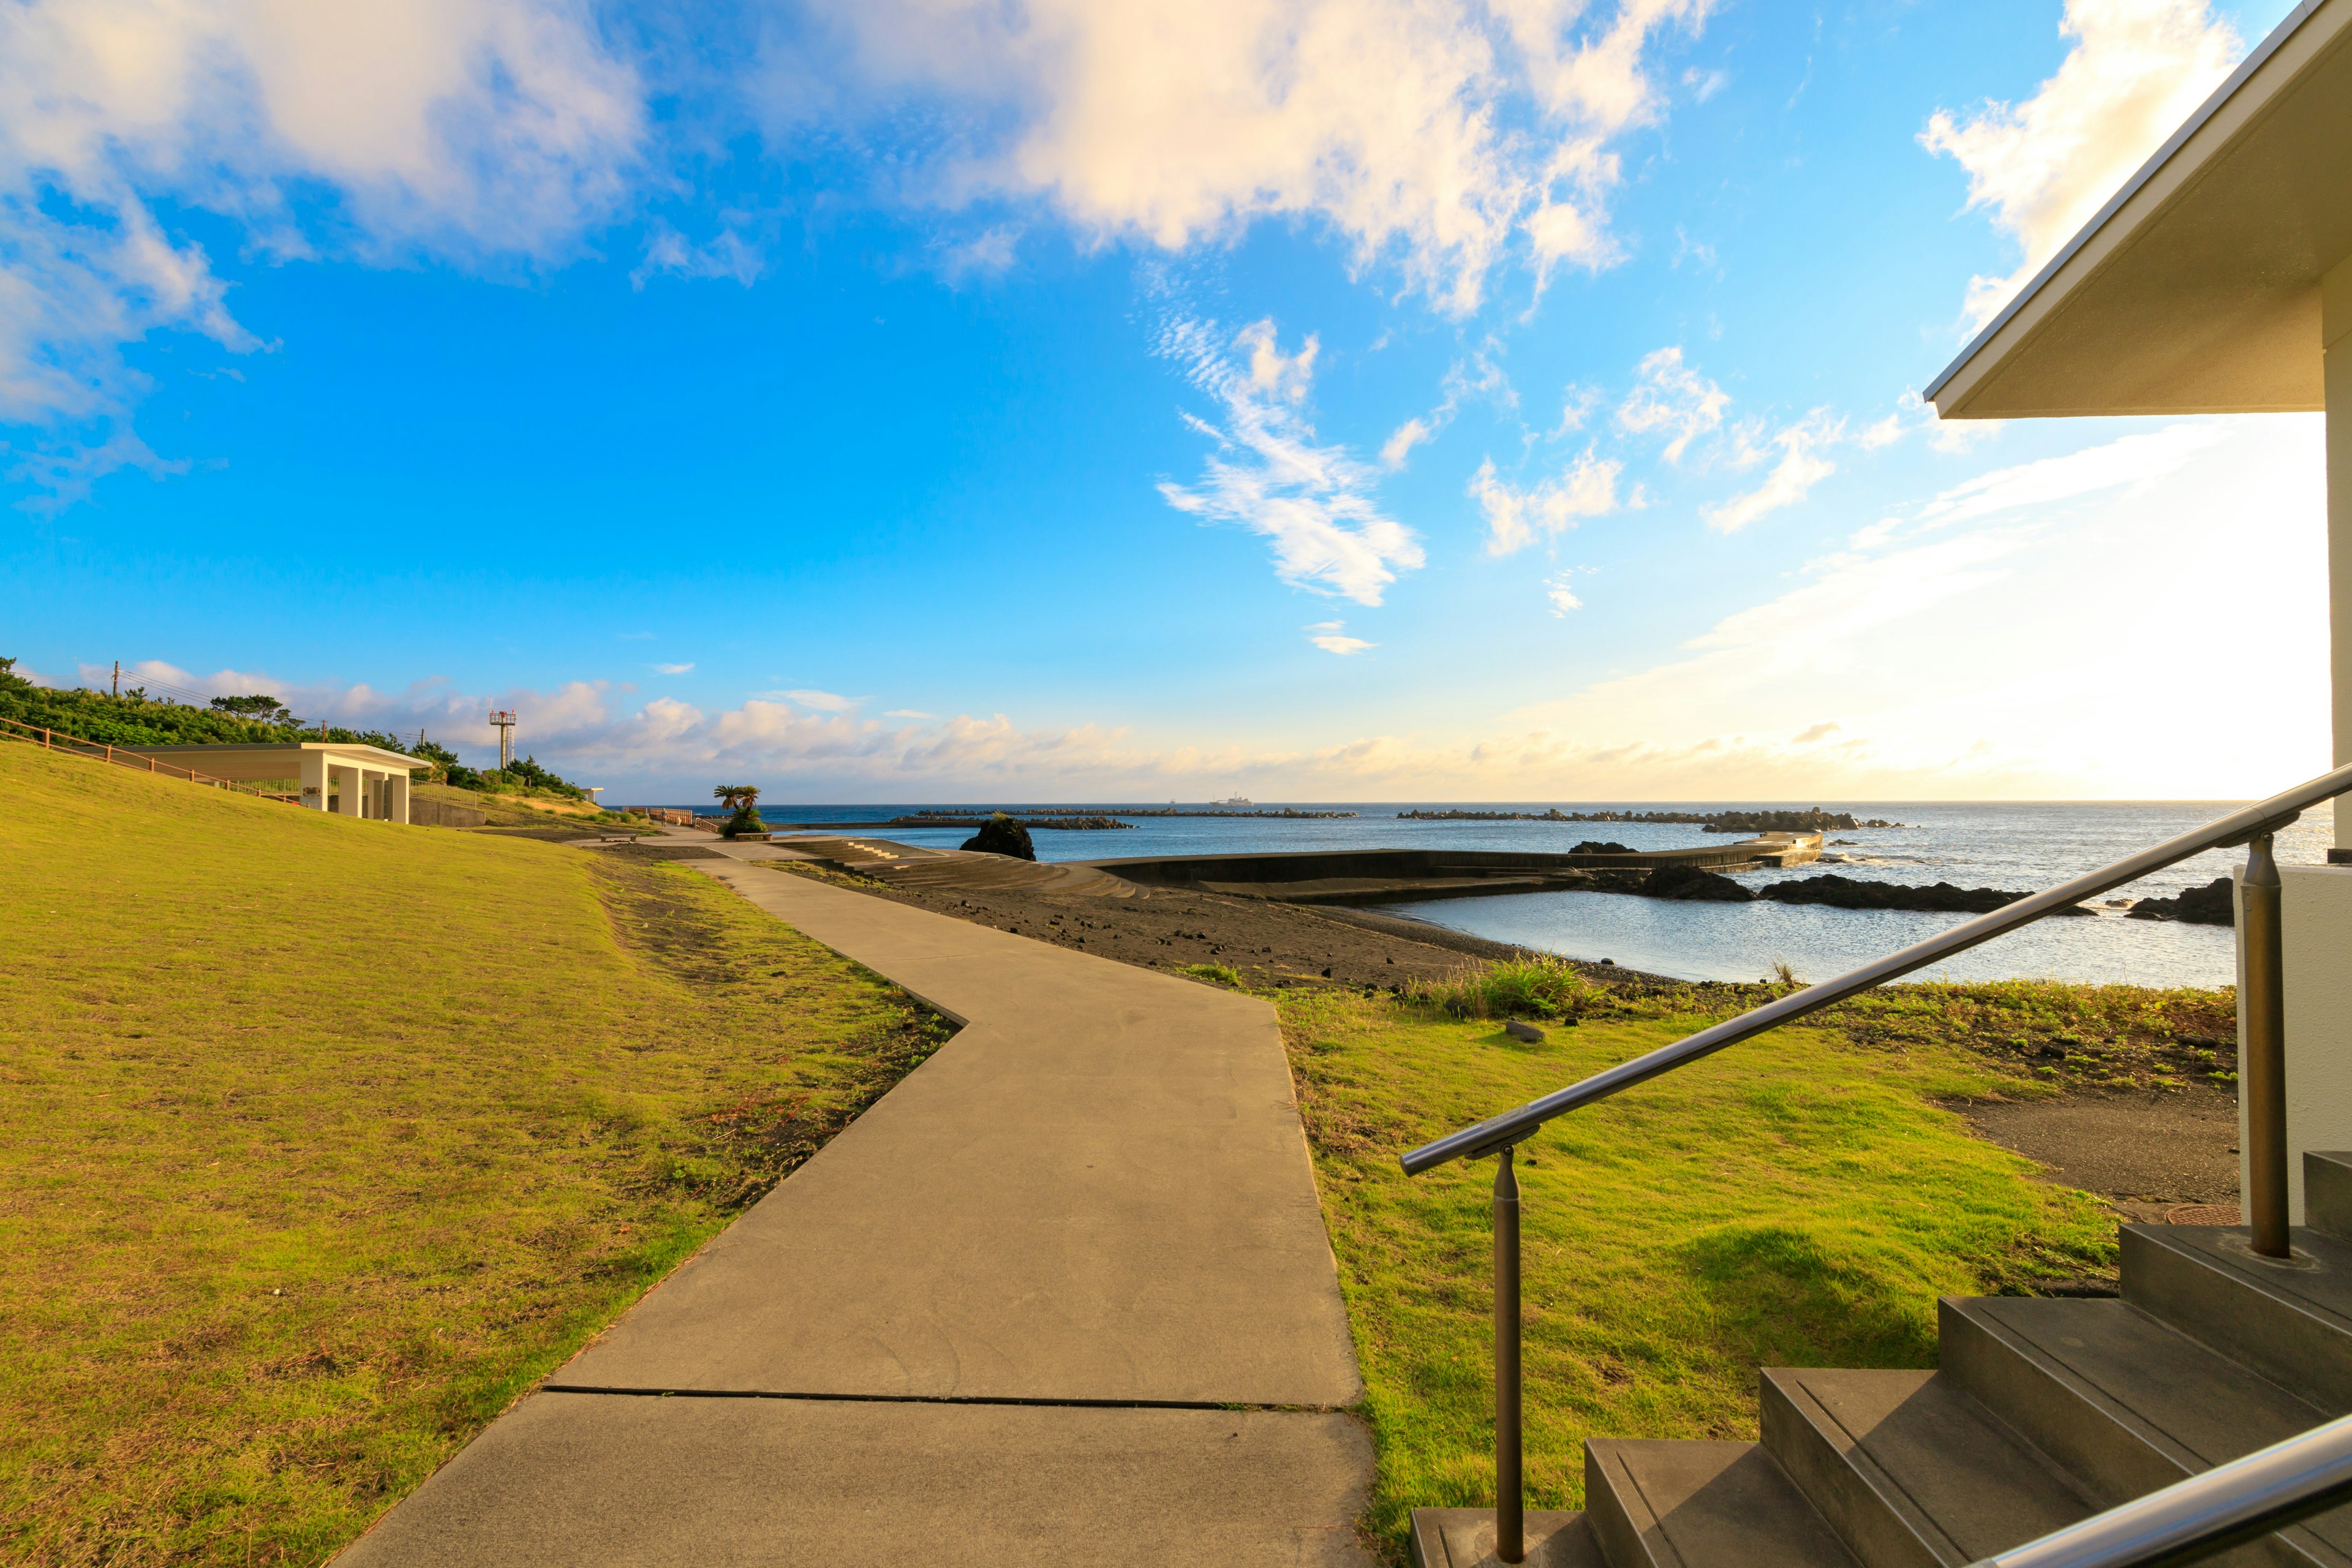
[2147, 1152]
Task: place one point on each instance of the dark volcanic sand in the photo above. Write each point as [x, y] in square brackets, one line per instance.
[1268, 943]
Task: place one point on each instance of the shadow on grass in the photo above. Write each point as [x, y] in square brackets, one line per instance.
[1779, 1299]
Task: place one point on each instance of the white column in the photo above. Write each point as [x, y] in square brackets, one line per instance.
[396, 798]
[347, 789]
[314, 780]
[2336, 338]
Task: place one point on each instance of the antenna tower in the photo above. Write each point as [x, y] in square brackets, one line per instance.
[505, 719]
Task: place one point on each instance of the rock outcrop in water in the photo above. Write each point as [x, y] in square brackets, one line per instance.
[999, 834]
[1936, 898]
[1690, 882]
[2214, 904]
[1600, 847]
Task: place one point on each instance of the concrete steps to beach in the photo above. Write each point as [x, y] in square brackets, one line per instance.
[1063, 1295]
[2043, 1411]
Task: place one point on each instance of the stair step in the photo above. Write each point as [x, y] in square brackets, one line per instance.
[1909, 1469]
[1465, 1538]
[1663, 1504]
[2290, 1319]
[2128, 1403]
[2327, 1192]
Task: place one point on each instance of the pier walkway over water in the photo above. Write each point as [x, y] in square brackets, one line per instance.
[1063, 1295]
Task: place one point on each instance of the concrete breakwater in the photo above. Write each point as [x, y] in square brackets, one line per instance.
[1383, 876]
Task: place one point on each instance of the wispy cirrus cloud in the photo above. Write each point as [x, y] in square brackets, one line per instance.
[673, 668]
[1670, 396]
[1793, 474]
[1269, 473]
[2044, 166]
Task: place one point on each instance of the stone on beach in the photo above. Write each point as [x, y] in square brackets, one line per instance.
[999, 834]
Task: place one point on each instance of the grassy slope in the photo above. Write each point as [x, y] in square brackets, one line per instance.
[325, 1138]
[1798, 1200]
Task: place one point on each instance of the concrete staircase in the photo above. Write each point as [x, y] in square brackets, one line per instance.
[2044, 1411]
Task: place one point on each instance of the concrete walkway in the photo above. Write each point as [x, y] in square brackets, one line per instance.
[1005, 1317]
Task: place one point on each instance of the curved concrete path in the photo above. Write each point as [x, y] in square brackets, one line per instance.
[1007, 1316]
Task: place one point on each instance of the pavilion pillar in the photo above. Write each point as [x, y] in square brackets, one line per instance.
[347, 789]
[395, 798]
[2336, 338]
[315, 782]
[2315, 901]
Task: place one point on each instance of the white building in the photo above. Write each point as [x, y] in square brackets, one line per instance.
[353, 780]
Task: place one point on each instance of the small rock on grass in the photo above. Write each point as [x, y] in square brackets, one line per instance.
[1519, 1031]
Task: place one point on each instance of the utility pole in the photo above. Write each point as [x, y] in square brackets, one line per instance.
[117, 678]
[505, 719]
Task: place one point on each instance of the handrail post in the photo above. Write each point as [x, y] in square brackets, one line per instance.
[1510, 1491]
[2265, 1046]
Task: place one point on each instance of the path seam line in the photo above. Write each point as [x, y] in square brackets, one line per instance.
[1237, 1405]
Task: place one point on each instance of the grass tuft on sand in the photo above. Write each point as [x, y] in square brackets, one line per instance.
[327, 1138]
[1798, 1200]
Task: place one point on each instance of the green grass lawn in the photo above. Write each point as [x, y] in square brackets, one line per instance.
[1797, 1200]
[326, 1137]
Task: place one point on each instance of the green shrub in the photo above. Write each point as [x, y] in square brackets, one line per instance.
[1515, 988]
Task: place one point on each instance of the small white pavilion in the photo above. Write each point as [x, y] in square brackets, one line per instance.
[351, 780]
[2218, 281]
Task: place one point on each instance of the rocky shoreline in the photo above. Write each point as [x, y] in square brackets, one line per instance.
[1814, 820]
[1837, 893]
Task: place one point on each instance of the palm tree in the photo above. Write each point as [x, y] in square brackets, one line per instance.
[743, 800]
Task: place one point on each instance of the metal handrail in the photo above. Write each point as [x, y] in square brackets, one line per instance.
[2239, 827]
[2188, 1520]
[2262, 1092]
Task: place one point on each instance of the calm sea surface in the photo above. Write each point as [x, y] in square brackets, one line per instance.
[2010, 845]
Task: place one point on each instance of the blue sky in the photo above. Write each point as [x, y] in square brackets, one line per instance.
[920, 399]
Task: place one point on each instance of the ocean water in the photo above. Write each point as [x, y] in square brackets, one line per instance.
[2015, 844]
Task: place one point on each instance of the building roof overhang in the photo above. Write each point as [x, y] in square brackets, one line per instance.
[2196, 289]
[273, 761]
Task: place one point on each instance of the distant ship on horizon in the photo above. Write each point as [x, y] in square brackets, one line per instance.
[1238, 801]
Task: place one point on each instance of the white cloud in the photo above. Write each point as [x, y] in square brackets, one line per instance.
[470, 129]
[988, 254]
[1481, 376]
[1587, 488]
[1576, 406]
[2134, 460]
[1329, 636]
[1271, 478]
[1403, 440]
[908, 713]
[673, 668]
[726, 255]
[1435, 133]
[822, 702]
[2137, 69]
[1793, 479]
[1562, 596]
[1669, 395]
